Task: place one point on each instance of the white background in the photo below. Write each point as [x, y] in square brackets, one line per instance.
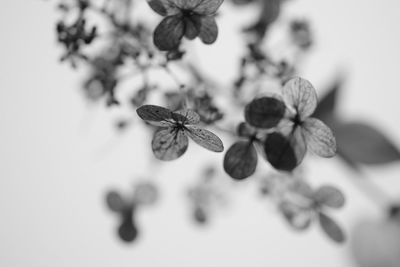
[58, 156]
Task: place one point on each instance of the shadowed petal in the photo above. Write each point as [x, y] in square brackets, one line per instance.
[319, 138]
[155, 115]
[240, 160]
[208, 30]
[205, 138]
[169, 33]
[192, 27]
[285, 153]
[208, 7]
[169, 144]
[265, 112]
[300, 94]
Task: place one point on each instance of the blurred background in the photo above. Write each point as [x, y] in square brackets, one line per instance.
[59, 155]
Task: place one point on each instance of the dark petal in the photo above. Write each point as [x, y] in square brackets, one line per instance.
[169, 144]
[186, 116]
[245, 130]
[285, 153]
[192, 27]
[127, 231]
[240, 160]
[208, 30]
[163, 7]
[361, 143]
[208, 7]
[300, 94]
[114, 201]
[168, 34]
[319, 138]
[155, 114]
[329, 196]
[331, 228]
[205, 138]
[298, 218]
[265, 112]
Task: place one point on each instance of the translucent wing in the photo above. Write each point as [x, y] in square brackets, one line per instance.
[205, 138]
[169, 144]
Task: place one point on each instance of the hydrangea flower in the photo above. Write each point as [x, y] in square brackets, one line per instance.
[171, 140]
[189, 18]
[286, 152]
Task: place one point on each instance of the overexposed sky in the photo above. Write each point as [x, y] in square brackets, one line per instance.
[59, 155]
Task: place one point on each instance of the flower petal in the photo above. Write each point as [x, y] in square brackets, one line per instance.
[297, 217]
[331, 228]
[265, 112]
[168, 34]
[285, 153]
[329, 196]
[155, 115]
[114, 201]
[208, 7]
[319, 138]
[169, 144]
[240, 160]
[163, 7]
[192, 27]
[187, 116]
[300, 94]
[205, 138]
[208, 30]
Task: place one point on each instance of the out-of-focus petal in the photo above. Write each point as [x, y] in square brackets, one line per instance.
[205, 138]
[331, 228]
[169, 32]
[169, 144]
[208, 30]
[329, 196]
[319, 138]
[300, 94]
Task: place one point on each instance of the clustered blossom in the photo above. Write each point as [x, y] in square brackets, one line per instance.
[185, 18]
[171, 140]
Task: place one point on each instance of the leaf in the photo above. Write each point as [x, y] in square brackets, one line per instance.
[329, 196]
[361, 143]
[265, 112]
[208, 30]
[154, 113]
[205, 138]
[114, 201]
[300, 94]
[169, 144]
[327, 105]
[285, 153]
[331, 228]
[207, 7]
[187, 116]
[319, 138]
[240, 160]
[297, 217]
[168, 34]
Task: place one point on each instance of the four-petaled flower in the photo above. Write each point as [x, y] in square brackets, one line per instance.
[189, 18]
[171, 140]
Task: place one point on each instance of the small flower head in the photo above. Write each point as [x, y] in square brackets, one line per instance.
[171, 140]
[185, 18]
